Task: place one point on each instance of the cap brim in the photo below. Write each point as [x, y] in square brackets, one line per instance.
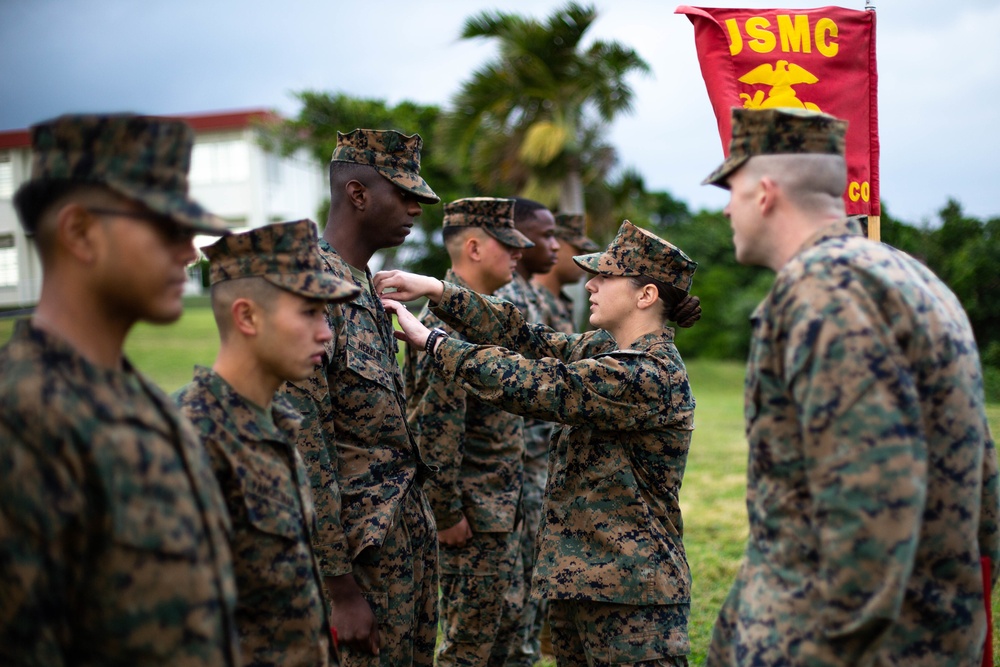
[509, 237]
[588, 263]
[591, 263]
[413, 184]
[314, 285]
[183, 210]
[724, 170]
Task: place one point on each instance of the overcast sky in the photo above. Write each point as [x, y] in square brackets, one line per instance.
[939, 75]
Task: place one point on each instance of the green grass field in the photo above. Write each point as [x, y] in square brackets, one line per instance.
[712, 498]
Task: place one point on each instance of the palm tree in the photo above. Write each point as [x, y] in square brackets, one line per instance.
[532, 119]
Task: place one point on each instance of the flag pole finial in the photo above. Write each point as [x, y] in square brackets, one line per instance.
[869, 6]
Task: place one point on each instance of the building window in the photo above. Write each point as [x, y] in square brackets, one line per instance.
[6, 175]
[220, 162]
[8, 261]
[272, 166]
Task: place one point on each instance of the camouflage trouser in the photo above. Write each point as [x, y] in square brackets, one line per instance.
[400, 582]
[527, 651]
[482, 591]
[601, 634]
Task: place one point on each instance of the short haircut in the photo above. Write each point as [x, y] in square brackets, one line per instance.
[343, 172]
[525, 209]
[226, 292]
[454, 238]
[809, 180]
[37, 199]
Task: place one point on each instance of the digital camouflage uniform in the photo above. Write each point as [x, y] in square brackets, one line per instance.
[610, 557]
[557, 309]
[478, 451]
[537, 434]
[380, 527]
[375, 522]
[281, 613]
[556, 312]
[872, 485]
[872, 479]
[112, 530]
[113, 545]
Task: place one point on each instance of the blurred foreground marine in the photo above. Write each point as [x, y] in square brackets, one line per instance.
[611, 559]
[872, 481]
[113, 543]
[477, 449]
[269, 294]
[377, 543]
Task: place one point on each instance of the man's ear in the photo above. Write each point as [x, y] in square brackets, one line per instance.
[76, 231]
[767, 195]
[473, 249]
[246, 316]
[357, 194]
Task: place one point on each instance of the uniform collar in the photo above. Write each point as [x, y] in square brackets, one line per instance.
[838, 229]
[283, 419]
[451, 277]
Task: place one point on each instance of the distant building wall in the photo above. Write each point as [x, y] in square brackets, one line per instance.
[231, 175]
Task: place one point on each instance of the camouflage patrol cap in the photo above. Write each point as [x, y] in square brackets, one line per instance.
[285, 254]
[778, 132]
[636, 252]
[393, 154]
[144, 158]
[494, 216]
[572, 228]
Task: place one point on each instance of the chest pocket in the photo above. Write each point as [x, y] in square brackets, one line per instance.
[272, 516]
[368, 366]
[153, 518]
[151, 500]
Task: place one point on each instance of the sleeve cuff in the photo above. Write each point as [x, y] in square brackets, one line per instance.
[449, 355]
[332, 559]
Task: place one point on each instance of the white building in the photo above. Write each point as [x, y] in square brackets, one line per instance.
[231, 175]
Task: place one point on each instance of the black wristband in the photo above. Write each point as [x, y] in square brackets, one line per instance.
[432, 337]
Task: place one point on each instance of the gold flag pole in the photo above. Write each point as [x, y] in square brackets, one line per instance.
[874, 221]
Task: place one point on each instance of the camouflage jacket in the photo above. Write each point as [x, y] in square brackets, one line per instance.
[476, 447]
[113, 533]
[366, 445]
[611, 524]
[557, 310]
[537, 432]
[281, 613]
[525, 296]
[872, 478]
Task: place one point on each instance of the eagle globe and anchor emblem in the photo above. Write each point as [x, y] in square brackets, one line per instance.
[780, 77]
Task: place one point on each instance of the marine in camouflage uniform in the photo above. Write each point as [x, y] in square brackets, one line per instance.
[477, 450]
[250, 434]
[557, 309]
[872, 477]
[538, 224]
[610, 555]
[113, 543]
[555, 304]
[376, 530]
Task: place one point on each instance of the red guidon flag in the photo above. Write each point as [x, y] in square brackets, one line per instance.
[821, 59]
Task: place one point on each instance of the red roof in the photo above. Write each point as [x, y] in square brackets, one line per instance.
[228, 120]
[15, 139]
[201, 122]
